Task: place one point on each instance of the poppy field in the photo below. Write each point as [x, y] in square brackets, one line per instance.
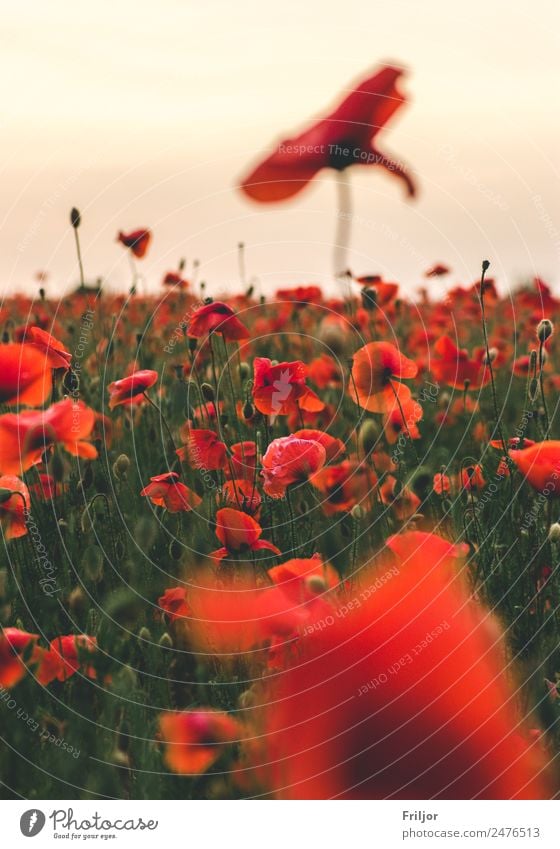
[297, 545]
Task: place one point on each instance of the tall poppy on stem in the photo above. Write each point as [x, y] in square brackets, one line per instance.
[344, 137]
[239, 533]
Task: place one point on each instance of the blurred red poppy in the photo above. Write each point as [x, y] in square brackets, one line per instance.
[402, 419]
[13, 643]
[437, 270]
[216, 317]
[13, 508]
[174, 603]
[347, 136]
[130, 390]
[25, 436]
[406, 696]
[540, 464]
[304, 577]
[72, 653]
[57, 355]
[454, 367]
[195, 739]
[138, 241]
[167, 491]
[25, 375]
[333, 446]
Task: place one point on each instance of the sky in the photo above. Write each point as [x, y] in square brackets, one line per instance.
[146, 114]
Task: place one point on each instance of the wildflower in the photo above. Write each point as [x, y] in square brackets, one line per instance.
[540, 464]
[442, 484]
[377, 369]
[24, 437]
[303, 577]
[195, 739]
[130, 390]
[13, 509]
[238, 533]
[204, 449]
[13, 642]
[345, 137]
[57, 355]
[69, 654]
[333, 446]
[454, 367]
[138, 241]
[290, 460]
[544, 330]
[174, 603]
[25, 375]
[167, 491]
[216, 317]
[280, 389]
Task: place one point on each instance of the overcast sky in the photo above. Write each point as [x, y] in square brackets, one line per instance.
[144, 114]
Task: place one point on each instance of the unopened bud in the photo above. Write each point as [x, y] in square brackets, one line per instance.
[121, 467]
[207, 391]
[369, 434]
[490, 356]
[165, 641]
[533, 388]
[315, 584]
[5, 494]
[75, 218]
[485, 266]
[248, 410]
[144, 635]
[244, 371]
[554, 532]
[357, 512]
[545, 329]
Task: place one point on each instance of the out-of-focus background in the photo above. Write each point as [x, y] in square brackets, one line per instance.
[144, 114]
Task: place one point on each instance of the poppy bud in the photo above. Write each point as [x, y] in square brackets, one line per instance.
[545, 329]
[192, 344]
[533, 361]
[57, 468]
[92, 561]
[533, 388]
[250, 291]
[165, 641]
[77, 600]
[5, 494]
[121, 467]
[175, 549]
[144, 635]
[208, 300]
[369, 299]
[208, 392]
[490, 356]
[357, 512]
[248, 410]
[244, 371]
[369, 434]
[42, 293]
[554, 532]
[75, 218]
[485, 266]
[182, 263]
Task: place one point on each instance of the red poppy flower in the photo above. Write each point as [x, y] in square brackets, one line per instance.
[216, 317]
[71, 653]
[414, 544]
[203, 449]
[346, 136]
[242, 495]
[376, 372]
[472, 478]
[437, 270]
[333, 446]
[402, 420]
[402, 499]
[174, 603]
[13, 643]
[55, 352]
[25, 436]
[290, 460]
[25, 375]
[324, 372]
[345, 485]
[243, 460]
[540, 464]
[175, 281]
[167, 491]
[138, 241]
[304, 577]
[47, 488]
[130, 390]
[12, 510]
[238, 533]
[454, 367]
[406, 696]
[195, 739]
[279, 390]
[442, 484]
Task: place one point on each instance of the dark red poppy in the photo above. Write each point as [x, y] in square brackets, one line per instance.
[13, 509]
[437, 270]
[55, 352]
[195, 739]
[175, 281]
[216, 317]
[13, 643]
[204, 449]
[137, 241]
[238, 533]
[72, 653]
[174, 603]
[454, 367]
[347, 136]
[377, 370]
